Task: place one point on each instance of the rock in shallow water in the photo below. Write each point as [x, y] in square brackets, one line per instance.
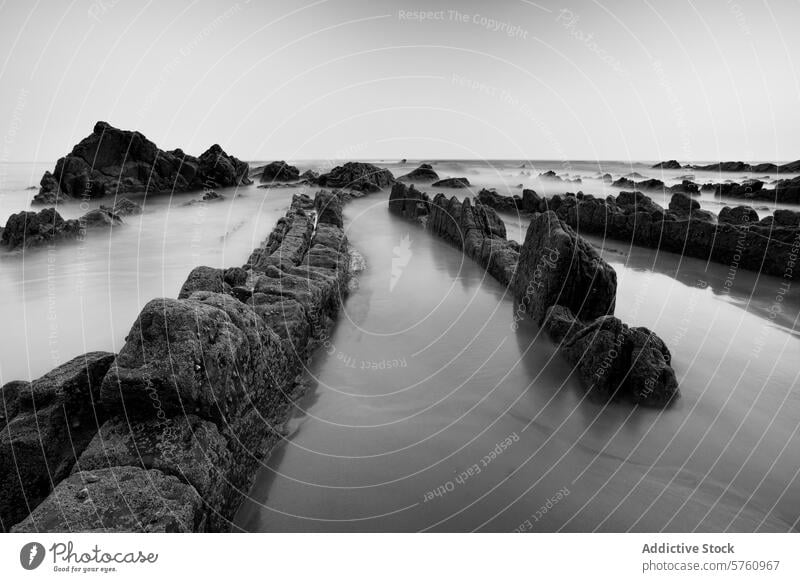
[557, 267]
[614, 361]
[112, 161]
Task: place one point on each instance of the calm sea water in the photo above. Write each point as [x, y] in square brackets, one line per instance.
[428, 410]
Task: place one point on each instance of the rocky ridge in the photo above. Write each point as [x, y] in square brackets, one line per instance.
[196, 397]
[562, 283]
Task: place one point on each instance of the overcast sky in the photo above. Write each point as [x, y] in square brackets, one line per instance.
[621, 80]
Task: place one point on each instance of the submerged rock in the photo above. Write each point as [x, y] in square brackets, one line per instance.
[27, 228]
[123, 207]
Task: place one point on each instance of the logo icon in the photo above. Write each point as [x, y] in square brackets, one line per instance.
[31, 555]
[402, 255]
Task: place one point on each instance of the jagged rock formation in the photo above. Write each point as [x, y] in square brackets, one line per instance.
[279, 172]
[357, 176]
[475, 229]
[613, 360]
[198, 394]
[424, 173]
[557, 267]
[112, 161]
[555, 276]
[767, 245]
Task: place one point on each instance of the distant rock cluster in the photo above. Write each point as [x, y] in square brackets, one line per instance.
[29, 229]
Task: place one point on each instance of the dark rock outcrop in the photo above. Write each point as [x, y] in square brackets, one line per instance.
[790, 168]
[112, 161]
[118, 499]
[499, 202]
[279, 171]
[553, 274]
[53, 420]
[358, 176]
[452, 183]
[557, 267]
[29, 229]
[647, 185]
[475, 229]
[614, 361]
[670, 165]
[197, 396]
[758, 247]
[424, 173]
[739, 215]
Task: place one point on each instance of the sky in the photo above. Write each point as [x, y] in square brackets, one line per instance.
[625, 80]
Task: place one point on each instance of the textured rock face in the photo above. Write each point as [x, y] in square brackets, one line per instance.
[198, 394]
[357, 176]
[27, 228]
[452, 183]
[424, 173]
[279, 172]
[614, 361]
[739, 215]
[53, 419]
[758, 247]
[557, 267]
[122, 499]
[682, 204]
[329, 209]
[112, 161]
[475, 229]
